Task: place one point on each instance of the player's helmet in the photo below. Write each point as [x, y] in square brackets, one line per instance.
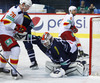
[71, 8]
[27, 2]
[46, 39]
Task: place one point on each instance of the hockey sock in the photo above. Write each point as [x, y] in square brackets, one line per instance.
[78, 44]
[15, 51]
[2, 60]
[32, 56]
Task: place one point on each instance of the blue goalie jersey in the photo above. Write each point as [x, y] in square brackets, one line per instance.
[62, 52]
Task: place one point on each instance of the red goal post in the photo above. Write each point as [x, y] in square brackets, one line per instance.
[94, 38]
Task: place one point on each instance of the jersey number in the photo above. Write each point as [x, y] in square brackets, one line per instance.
[12, 14]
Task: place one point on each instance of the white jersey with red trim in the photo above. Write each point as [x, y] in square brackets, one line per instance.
[66, 23]
[10, 19]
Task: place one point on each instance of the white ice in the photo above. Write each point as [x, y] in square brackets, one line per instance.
[40, 76]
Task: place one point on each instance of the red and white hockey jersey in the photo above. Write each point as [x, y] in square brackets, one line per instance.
[10, 19]
[66, 23]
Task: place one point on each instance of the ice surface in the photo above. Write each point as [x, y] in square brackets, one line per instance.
[40, 76]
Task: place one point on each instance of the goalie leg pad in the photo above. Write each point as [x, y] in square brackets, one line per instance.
[76, 68]
[50, 66]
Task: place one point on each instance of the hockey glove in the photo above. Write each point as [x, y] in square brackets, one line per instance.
[20, 36]
[82, 54]
[20, 28]
[74, 29]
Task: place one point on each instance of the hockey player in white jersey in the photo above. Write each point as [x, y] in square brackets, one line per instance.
[10, 24]
[67, 28]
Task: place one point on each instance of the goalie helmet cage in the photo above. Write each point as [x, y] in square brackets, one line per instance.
[94, 46]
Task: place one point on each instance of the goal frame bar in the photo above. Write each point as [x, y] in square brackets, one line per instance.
[90, 44]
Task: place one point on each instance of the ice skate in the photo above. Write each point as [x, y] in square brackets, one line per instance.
[34, 66]
[14, 74]
[4, 70]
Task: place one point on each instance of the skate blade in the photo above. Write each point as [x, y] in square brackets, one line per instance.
[35, 68]
[4, 73]
[15, 78]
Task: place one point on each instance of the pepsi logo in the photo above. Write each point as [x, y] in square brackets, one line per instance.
[38, 23]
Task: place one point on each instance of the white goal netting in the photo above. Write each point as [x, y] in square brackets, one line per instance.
[95, 43]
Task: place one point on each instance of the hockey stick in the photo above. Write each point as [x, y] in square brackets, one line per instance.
[11, 66]
[29, 40]
[0, 48]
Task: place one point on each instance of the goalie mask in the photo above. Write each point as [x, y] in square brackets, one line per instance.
[46, 39]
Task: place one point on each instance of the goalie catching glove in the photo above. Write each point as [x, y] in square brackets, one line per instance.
[82, 55]
[20, 28]
[74, 29]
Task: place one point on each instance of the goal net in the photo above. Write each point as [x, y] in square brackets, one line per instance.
[94, 52]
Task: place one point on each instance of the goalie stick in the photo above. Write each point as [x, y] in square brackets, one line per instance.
[12, 66]
[22, 37]
[29, 40]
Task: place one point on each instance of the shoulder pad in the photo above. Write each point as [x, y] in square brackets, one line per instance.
[27, 20]
[16, 6]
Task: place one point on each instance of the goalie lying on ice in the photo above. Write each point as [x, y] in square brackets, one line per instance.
[63, 54]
